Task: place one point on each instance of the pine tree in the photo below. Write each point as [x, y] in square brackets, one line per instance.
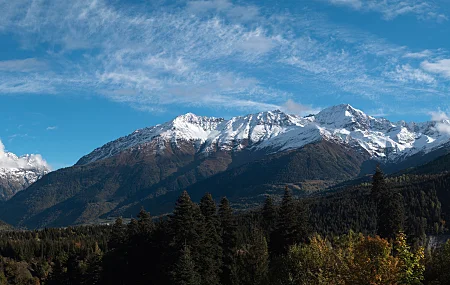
[229, 243]
[184, 272]
[287, 230]
[118, 234]
[211, 256]
[390, 208]
[269, 214]
[183, 223]
[145, 222]
[253, 260]
[187, 226]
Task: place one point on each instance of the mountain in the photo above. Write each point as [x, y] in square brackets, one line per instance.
[17, 173]
[275, 131]
[242, 157]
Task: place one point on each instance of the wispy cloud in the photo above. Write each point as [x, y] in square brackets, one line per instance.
[51, 128]
[292, 107]
[394, 8]
[422, 54]
[216, 54]
[23, 65]
[441, 67]
[406, 73]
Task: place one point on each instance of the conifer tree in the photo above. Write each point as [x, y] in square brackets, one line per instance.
[145, 222]
[184, 224]
[390, 208]
[287, 231]
[229, 243]
[184, 272]
[269, 214]
[211, 256]
[118, 234]
[253, 260]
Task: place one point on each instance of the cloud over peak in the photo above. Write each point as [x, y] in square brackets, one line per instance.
[9, 160]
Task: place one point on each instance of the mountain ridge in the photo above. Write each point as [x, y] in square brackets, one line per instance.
[279, 131]
[270, 149]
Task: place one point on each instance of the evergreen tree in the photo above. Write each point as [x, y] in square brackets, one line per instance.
[287, 230]
[390, 208]
[211, 256]
[94, 268]
[183, 223]
[145, 222]
[253, 260]
[187, 226]
[229, 243]
[269, 214]
[118, 234]
[184, 272]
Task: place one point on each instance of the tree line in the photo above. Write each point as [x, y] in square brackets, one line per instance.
[379, 239]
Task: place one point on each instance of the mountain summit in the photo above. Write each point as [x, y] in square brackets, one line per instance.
[276, 131]
[17, 173]
[243, 158]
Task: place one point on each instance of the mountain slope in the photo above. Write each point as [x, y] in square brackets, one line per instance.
[277, 131]
[241, 157]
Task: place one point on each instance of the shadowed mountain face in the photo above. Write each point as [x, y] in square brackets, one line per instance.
[241, 158]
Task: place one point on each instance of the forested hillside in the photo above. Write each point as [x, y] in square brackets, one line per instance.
[374, 233]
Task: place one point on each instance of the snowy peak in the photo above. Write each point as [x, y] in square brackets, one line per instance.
[344, 116]
[18, 172]
[276, 131]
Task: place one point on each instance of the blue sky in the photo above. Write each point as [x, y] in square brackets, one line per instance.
[77, 74]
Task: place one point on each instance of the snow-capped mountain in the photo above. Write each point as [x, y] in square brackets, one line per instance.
[242, 157]
[275, 131]
[17, 173]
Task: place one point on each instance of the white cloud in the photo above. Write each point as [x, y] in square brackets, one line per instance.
[207, 54]
[442, 121]
[356, 4]
[9, 160]
[51, 128]
[292, 107]
[438, 116]
[394, 8]
[232, 11]
[406, 73]
[440, 67]
[23, 65]
[422, 54]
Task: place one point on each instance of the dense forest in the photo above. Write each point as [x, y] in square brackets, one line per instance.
[388, 231]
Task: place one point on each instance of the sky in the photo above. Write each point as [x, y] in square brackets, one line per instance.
[77, 74]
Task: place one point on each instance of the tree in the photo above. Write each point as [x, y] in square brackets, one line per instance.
[118, 234]
[211, 255]
[288, 231]
[229, 243]
[390, 208]
[184, 272]
[187, 228]
[253, 260]
[183, 224]
[412, 266]
[269, 214]
[145, 222]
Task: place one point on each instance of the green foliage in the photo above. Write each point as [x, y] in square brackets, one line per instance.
[412, 265]
[184, 272]
[200, 244]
